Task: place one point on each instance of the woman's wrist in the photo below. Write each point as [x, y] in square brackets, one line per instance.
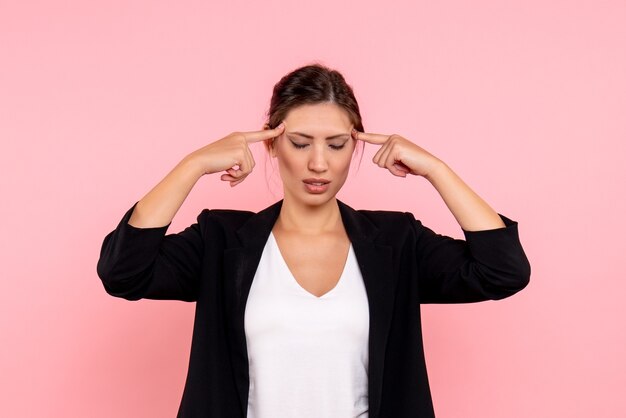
[437, 169]
[193, 165]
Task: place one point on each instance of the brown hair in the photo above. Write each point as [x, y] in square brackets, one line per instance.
[314, 83]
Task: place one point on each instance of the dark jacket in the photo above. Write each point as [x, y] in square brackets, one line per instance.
[403, 264]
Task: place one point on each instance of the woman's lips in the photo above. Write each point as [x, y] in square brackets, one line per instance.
[316, 186]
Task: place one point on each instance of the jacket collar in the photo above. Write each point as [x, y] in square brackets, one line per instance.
[375, 263]
[257, 229]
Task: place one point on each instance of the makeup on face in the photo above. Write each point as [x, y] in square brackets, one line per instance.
[314, 152]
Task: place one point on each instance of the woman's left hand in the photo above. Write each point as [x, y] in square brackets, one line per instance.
[399, 155]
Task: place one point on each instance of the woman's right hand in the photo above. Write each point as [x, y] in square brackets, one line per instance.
[232, 154]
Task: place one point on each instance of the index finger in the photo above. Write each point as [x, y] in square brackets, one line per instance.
[377, 139]
[256, 136]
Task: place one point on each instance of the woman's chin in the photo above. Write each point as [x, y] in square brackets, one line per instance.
[312, 199]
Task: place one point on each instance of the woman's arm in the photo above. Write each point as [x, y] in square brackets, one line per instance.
[401, 157]
[158, 207]
[469, 209]
[489, 264]
[137, 259]
[231, 154]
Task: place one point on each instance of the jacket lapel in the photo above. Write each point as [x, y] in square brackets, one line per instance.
[375, 263]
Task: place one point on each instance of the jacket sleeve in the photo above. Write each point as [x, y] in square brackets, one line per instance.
[487, 265]
[138, 263]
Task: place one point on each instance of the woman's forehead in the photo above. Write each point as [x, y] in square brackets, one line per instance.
[319, 117]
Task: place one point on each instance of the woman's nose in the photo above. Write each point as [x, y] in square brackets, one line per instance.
[317, 160]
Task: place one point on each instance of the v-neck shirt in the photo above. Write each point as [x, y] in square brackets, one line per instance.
[308, 355]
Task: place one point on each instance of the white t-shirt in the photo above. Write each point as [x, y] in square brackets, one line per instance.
[308, 355]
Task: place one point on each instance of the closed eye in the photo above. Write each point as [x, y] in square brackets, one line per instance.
[299, 146]
[331, 146]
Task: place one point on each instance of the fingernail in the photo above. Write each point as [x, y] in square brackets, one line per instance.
[280, 125]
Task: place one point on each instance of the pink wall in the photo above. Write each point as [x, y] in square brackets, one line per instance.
[525, 100]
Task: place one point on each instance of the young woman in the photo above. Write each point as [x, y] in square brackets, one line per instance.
[310, 308]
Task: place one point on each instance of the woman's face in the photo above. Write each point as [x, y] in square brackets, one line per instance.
[314, 152]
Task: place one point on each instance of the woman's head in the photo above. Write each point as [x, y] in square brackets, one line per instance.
[315, 149]
[312, 84]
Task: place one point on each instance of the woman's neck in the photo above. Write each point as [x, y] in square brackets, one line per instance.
[308, 219]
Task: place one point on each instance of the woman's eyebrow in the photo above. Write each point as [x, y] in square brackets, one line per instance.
[328, 137]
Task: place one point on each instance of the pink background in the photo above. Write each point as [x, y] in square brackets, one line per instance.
[524, 99]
